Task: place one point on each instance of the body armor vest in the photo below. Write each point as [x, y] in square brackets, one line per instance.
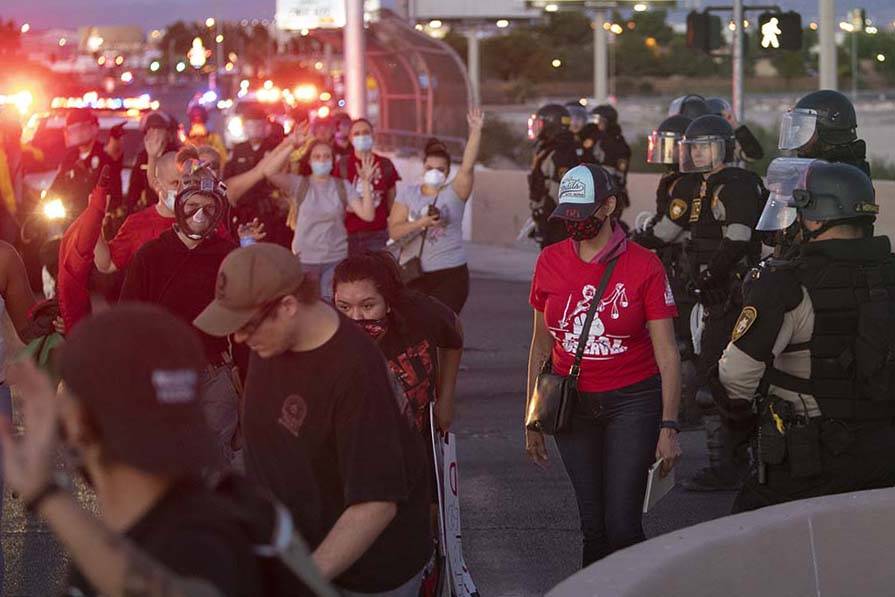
[853, 342]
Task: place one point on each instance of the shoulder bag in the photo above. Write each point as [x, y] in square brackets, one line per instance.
[552, 402]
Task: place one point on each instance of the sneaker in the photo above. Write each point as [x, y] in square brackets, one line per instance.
[708, 480]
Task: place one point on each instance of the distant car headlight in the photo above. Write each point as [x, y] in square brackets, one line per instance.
[54, 209]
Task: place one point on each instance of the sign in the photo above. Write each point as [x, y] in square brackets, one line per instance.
[426, 10]
[780, 31]
[297, 15]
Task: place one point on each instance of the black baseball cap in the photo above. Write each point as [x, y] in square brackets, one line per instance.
[582, 191]
[137, 370]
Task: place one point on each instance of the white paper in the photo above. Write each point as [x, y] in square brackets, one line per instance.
[657, 486]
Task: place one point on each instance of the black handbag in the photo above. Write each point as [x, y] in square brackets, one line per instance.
[412, 269]
[552, 402]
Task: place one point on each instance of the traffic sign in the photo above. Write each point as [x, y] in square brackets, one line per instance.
[703, 31]
[780, 31]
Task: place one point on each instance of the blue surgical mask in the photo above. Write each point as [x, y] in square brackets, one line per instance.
[321, 168]
[169, 198]
[363, 142]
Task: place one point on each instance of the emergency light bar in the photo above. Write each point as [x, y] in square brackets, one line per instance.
[92, 100]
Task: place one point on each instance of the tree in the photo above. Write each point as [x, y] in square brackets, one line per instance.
[10, 38]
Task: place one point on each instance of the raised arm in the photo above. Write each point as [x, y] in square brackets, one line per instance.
[363, 207]
[239, 185]
[465, 177]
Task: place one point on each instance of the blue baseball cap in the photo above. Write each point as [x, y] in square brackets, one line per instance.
[582, 191]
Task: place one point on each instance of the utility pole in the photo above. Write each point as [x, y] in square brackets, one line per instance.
[354, 57]
[473, 62]
[827, 35]
[737, 91]
[601, 66]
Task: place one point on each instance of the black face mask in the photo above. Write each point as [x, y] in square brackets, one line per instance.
[586, 229]
[376, 328]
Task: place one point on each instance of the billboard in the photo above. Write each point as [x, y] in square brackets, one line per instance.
[295, 15]
[472, 9]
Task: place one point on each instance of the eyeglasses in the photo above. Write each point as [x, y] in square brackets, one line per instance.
[252, 326]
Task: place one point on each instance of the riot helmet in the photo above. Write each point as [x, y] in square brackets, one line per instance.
[708, 144]
[785, 175]
[824, 116]
[662, 147]
[692, 106]
[835, 194]
[718, 106]
[578, 116]
[201, 201]
[548, 122]
[604, 114]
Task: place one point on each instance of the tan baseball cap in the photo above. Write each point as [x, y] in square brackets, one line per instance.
[249, 279]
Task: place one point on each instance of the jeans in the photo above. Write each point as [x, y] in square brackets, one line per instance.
[370, 240]
[323, 272]
[607, 457]
[6, 411]
[220, 404]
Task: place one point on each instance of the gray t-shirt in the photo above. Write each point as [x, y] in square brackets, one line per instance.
[444, 244]
[320, 235]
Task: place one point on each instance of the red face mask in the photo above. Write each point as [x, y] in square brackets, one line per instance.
[376, 328]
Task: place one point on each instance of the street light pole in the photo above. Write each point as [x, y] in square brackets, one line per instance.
[601, 76]
[737, 91]
[354, 56]
[827, 38]
[854, 65]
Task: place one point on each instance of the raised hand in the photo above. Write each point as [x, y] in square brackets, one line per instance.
[253, 230]
[476, 119]
[154, 142]
[368, 168]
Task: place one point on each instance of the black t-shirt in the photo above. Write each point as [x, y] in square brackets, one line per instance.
[195, 534]
[411, 348]
[323, 431]
[165, 272]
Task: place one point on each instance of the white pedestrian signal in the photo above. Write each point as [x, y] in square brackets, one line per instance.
[770, 33]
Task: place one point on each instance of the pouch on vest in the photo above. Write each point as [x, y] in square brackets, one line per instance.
[875, 341]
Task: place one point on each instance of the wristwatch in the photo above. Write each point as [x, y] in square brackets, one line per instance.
[58, 482]
[670, 425]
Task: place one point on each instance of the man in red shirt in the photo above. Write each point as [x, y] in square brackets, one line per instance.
[368, 236]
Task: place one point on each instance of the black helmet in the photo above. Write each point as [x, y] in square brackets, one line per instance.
[663, 142]
[578, 114]
[606, 112]
[691, 106]
[707, 144]
[548, 122]
[718, 105]
[826, 114]
[836, 192]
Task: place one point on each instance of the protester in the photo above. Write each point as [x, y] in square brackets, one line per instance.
[368, 236]
[322, 427]
[318, 204]
[421, 338]
[158, 530]
[178, 271]
[629, 382]
[342, 137]
[434, 211]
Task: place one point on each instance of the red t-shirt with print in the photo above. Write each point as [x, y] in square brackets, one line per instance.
[384, 181]
[619, 351]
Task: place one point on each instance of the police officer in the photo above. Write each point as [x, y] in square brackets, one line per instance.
[668, 230]
[140, 193]
[84, 159]
[748, 146]
[259, 201]
[692, 106]
[555, 154]
[612, 151]
[723, 246]
[823, 125]
[586, 133]
[815, 339]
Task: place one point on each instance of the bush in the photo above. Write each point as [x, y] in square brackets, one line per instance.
[882, 169]
[500, 140]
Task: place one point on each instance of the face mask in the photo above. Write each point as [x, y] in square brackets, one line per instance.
[79, 134]
[168, 200]
[363, 142]
[199, 221]
[376, 328]
[585, 230]
[434, 178]
[255, 130]
[321, 168]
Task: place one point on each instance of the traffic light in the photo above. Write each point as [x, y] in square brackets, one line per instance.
[780, 31]
[703, 31]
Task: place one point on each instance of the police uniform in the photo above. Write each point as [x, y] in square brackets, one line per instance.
[553, 159]
[261, 201]
[139, 193]
[818, 332]
[77, 176]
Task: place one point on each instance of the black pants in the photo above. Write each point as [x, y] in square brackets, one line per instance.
[450, 286]
[865, 462]
[607, 457]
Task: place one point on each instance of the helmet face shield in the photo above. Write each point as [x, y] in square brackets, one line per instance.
[662, 148]
[535, 126]
[702, 154]
[785, 177]
[797, 128]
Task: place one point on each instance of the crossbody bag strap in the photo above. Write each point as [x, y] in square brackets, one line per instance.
[426, 231]
[591, 312]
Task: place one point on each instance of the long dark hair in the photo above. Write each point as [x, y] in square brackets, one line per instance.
[382, 270]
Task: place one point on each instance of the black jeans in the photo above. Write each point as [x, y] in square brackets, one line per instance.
[450, 286]
[607, 457]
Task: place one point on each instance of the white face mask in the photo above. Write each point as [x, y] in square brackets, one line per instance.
[434, 178]
[168, 200]
[321, 168]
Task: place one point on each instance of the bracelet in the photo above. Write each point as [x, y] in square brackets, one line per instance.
[52, 487]
[670, 425]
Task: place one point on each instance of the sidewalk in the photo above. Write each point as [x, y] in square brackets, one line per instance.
[502, 263]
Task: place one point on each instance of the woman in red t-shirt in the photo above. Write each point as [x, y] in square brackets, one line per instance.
[629, 385]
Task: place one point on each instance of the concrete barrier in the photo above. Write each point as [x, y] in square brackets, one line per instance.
[838, 546]
[500, 208]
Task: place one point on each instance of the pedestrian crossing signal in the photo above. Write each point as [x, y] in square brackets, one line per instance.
[780, 31]
[703, 31]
